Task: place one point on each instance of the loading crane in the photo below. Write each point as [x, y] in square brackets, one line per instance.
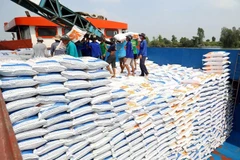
[54, 11]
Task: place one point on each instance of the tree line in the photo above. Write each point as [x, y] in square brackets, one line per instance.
[230, 38]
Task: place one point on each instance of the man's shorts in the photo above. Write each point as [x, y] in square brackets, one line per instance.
[135, 56]
[112, 60]
[121, 60]
[129, 61]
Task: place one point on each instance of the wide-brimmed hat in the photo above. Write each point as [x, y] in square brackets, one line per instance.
[57, 37]
[65, 38]
[39, 38]
[142, 35]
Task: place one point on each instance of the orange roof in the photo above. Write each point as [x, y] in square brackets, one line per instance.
[107, 24]
[28, 21]
[42, 22]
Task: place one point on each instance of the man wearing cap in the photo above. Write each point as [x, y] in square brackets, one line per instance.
[55, 44]
[143, 54]
[39, 49]
[95, 48]
[71, 48]
[129, 55]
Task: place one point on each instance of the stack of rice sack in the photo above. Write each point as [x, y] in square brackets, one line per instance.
[19, 91]
[177, 113]
[54, 107]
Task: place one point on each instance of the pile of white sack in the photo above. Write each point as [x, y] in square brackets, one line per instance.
[122, 36]
[68, 108]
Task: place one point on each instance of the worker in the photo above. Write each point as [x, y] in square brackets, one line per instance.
[143, 54]
[71, 48]
[129, 55]
[79, 45]
[86, 50]
[55, 44]
[135, 51]
[40, 49]
[103, 47]
[95, 48]
[121, 53]
[111, 59]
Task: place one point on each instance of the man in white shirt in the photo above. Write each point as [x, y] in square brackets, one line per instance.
[39, 49]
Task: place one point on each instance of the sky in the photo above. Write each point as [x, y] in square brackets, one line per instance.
[153, 17]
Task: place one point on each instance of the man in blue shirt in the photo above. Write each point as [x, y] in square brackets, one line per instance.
[143, 54]
[121, 53]
[95, 48]
[129, 55]
[111, 59]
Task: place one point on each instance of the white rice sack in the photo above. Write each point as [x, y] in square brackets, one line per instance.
[96, 138]
[216, 54]
[58, 118]
[102, 107]
[120, 37]
[85, 118]
[94, 63]
[31, 134]
[28, 124]
[62, 157]
[77, 147]
[52, 110]
[48, 66]
[60, 134]
[82, 110]
[118, 102]
[78, 94]
[98, 74]
[52, 99]
[29, 155]
[21, 104]
[105, 123]
[54, 154]
[24, 113]
[119, 94]
[17, 82]
[100, 143]
[49, 78]
[60, 126]
[82, 153]
[73, 63]
[89, 156]
[106, 115]
[103, 152]
[83, 128]
[101, 98]
[77, 84]
[31, 143]
[20, 93]
[99, 82]
[11, 69]
[48, 147]
[75, 74]
[99, 91]
[216, 63]
[78, 103]
[120, 108]
[52, 88]
[216, 59]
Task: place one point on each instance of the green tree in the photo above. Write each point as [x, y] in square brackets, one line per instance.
[201, 35]
[174, 39]
[208, 40]
[185, 42]
[230, 37]
[167, 42]
[213, 39]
